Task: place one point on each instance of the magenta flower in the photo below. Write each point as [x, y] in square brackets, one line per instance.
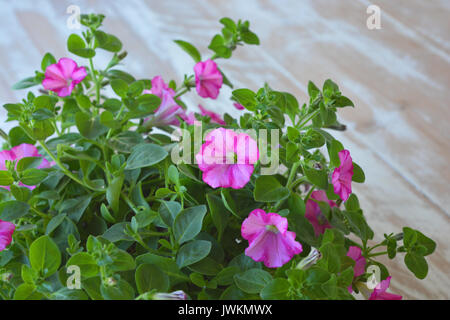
[342, 175]
[167, 112]
[227, 159]
[238, 106]
[22, 151]
[315, 215]
[208, 79]
[63, 76]
[360, 262]
[6, 232]
[268, 238]
[379, 293]
[159, 87]
[189, 118]
[215, 118]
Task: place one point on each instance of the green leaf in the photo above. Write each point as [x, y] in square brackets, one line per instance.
[277, 289]
[168, 211]
[120, 87]
[188, 223]
[20, 193]
[317, 177]
[149, 277]
[409, 237]
[122, 290]
[54, 223]
[219, 213]
[86, 262]
[426, 242]
[27, 291]
[32, 176]
[125, 141]
[333, 151]
[268, 189]
[145, 155]
[107, 41]
[189, 49]
[77, 46]
[6, 178]
[122, 261]
[313, 91]
[246, 97]
[249, 37]
[193, 252]
[25, 83]
[416, 264]
[90, 128]
[42, 129]
[28, 162]
[12, 210]
[358, 174]
[45, 257]
[74, 208]
[253, 280]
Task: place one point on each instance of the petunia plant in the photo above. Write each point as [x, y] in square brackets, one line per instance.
[112, 187]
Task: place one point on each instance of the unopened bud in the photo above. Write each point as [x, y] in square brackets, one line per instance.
[310, 260]
[176, 295]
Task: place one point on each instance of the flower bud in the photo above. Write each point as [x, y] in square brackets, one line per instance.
[307, 262]
[176, 295]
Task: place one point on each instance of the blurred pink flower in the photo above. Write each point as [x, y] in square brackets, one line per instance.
[22, 151]
[167, 112]
[315, 215]
[342, 176]
[208, 79]
[268, 238]
[63, 76]
[159, 87]
[6, 232]
[238, 106]
[354, 252]
[189, 118]
[227, 159]
[379, 293]
[215, 118]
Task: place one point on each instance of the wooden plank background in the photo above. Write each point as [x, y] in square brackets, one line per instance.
[398, 77]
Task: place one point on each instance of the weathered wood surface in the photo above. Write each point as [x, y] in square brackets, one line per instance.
[397, 76]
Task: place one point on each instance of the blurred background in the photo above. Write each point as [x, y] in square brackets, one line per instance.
[398, 76]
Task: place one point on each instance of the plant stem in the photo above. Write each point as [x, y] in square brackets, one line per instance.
[304, 122]
[292, 175]
[64, 169]
[97, 87]
[377, 254]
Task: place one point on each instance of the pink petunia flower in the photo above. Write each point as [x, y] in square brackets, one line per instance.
[342, 176]
[22, 151]
[379, 293]
[208, 79]
[315, 215]
[189, 118]
[159, 87]
[227, 159]
[238, 106]
[354, 252]
[268, 238]
[215, 118]
[167, 112]
[6, 232]
[63, 76]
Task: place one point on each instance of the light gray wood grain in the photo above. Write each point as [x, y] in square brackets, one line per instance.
[397, 76]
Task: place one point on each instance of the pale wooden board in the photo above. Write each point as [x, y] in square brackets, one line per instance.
[397, 76]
